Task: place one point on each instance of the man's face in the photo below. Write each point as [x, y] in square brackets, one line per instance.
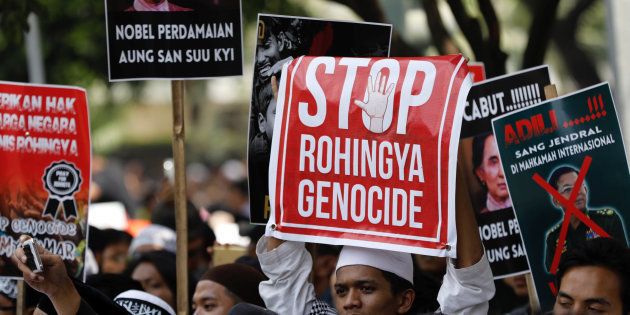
[490, 171]
[211, 298]
[364, 290]
[565, 186]
[589, 290]
[267, 55]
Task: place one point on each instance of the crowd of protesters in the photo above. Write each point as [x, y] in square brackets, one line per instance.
[133, 271]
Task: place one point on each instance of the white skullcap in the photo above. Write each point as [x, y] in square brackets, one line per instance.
[139, 302]
[157, 236]
[397, 263]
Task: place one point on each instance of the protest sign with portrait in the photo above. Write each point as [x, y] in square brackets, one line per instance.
[484, 176]
[567, 174]
[280, 39]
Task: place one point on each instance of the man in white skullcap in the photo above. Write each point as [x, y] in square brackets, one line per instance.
[370, 281]
[366, 271]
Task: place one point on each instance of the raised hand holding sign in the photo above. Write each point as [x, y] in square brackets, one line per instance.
[376, 104]
[377, 175]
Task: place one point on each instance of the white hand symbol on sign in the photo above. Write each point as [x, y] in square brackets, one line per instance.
[376, 104]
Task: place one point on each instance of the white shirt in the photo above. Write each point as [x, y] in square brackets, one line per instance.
[463, 291]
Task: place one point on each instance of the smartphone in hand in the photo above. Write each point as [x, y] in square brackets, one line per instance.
[33, 261]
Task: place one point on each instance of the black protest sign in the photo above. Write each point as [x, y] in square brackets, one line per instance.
[486, 182]
[567, 172]
[186, 39]
[279, 40]
[499, 95]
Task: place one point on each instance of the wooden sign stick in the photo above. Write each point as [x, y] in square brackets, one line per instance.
[181, 224]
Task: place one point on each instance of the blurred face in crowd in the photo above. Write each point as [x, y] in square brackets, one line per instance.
[365, 290]
[589, 290]
[518, 284]
[211, 298]
[153, 283]
[490, 171]
[198, 256]
[114, 258]
[565, 185]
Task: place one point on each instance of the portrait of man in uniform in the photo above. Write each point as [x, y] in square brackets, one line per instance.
[563, 180]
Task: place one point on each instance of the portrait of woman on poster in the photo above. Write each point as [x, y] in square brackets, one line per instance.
[489, 171]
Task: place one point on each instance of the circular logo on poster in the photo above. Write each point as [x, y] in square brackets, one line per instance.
[62, 179]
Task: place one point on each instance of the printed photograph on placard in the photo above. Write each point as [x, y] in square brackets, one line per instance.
[564, 161]
[487, 185]
[169, 5]
[280, 39]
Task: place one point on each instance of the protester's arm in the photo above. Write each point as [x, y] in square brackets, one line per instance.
[469, 248]
[273, 243]
[288, 265]
[466, 290]
[46, 307]
[468, 283]
[53, 281]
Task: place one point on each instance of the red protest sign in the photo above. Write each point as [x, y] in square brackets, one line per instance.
[45, 156]
[366, 152]
[478, 70]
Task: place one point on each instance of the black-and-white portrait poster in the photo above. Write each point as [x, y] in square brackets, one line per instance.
[279, 40]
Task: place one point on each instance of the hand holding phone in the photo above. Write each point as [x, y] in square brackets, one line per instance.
[33, 261]
[53, 281]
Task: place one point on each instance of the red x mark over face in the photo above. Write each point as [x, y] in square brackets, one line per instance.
[570, 210]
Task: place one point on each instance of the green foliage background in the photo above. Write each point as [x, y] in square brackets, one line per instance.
[127, 116]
